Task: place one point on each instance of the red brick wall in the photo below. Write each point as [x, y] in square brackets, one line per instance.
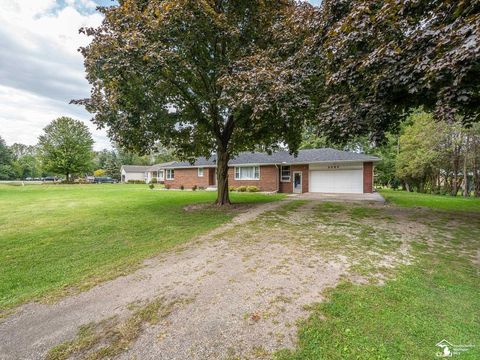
[268, 179]
[367, 177]
[287, 187]
[188, 178]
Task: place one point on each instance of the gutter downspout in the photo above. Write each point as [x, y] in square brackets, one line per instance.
[278, 179]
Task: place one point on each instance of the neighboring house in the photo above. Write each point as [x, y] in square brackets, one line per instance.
[133, 172]
[316, 170]
[143, 172]
[157, 171]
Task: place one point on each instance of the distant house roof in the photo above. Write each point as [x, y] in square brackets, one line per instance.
[135, 168]
[281, 157]
[157, 167]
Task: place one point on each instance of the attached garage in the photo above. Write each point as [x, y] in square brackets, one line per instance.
[336, 178]
[311, 170]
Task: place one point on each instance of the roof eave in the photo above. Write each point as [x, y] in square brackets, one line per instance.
[274, 163]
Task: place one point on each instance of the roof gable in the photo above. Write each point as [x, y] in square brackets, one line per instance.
[135, 168]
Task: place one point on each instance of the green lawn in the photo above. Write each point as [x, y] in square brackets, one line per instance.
[440, 202]
[58, 238]
[434, 297]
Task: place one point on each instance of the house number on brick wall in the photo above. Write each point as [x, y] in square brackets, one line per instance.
[333, 166]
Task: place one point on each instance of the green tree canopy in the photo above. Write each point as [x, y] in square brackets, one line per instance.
[439, 156]
[66, 147]
[6, 158]
[420, 153]
[201, 77]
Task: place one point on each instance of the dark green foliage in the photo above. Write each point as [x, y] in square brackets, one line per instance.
[136, 182]
[375, 60]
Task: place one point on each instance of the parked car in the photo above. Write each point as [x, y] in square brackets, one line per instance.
[104, 180]
[50, 178]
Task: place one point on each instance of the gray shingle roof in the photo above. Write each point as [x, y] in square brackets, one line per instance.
[135, 168]
[282, 157]
[157, 167]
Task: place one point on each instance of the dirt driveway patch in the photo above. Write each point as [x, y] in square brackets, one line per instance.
[234, 293]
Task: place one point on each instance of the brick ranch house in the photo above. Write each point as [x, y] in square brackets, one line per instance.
[316, 170]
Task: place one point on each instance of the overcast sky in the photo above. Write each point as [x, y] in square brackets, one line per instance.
[40, 67]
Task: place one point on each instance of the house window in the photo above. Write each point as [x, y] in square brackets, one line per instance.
[170, 174]
[200, 172]
[247, 173]
[160, 175]
[285, 173]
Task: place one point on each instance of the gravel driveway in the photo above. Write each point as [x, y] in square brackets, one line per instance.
[234, 293]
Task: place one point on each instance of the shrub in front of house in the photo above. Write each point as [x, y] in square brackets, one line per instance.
[154, 180]
[242, 188]
[136, 181]
[194, 187]
[167, 186]
[201, 188]
[151, 186]
[232, 188]
[252, 189]
[182, 187]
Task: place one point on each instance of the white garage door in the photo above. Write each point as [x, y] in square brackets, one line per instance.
[336, 181]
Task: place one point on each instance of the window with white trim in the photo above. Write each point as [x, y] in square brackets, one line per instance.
[247, 173]
[170, 174]
[160, 175]
[200, 172]
[285, 173]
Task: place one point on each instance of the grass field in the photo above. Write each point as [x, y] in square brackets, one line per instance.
[439, 202]
[434, 297]
[58, 238]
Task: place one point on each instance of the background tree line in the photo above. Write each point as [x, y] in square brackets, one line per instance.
[66, 149]
[424, 155]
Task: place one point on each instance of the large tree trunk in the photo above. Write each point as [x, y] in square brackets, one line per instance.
[476, 181]
[475, 169]
[223, 197]
[456, 166]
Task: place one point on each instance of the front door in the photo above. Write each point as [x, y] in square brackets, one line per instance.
[297, 182]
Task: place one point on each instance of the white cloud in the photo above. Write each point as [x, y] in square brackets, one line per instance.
[28, 122]
[40, 67]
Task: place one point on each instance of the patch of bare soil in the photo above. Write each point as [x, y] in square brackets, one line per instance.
[209, 206]
[248, 282]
